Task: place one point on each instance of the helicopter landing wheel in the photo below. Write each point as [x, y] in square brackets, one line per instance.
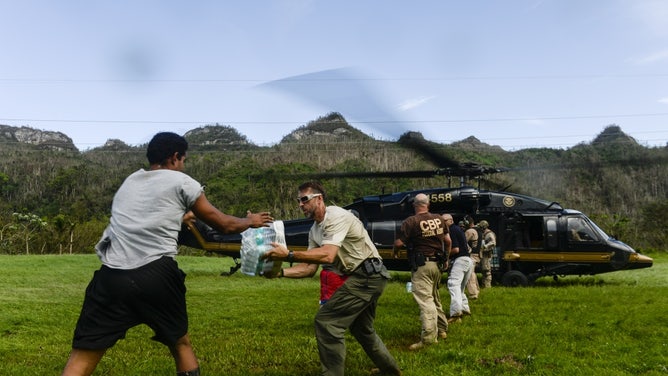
[515, 278]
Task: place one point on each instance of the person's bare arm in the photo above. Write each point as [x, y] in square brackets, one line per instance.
[398, 243]
[301, 270]
[321, 255]
[226, 223]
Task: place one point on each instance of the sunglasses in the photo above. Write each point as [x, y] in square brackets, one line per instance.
[307, 198]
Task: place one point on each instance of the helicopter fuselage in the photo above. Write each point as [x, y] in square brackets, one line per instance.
[535, 237]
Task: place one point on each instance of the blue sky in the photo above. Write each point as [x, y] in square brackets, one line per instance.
[520, 73]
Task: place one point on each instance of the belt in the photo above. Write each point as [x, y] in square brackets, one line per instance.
[371, 266]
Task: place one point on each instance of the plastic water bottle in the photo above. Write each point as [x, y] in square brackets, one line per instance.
[254, 243]
[409, 286]
[250, 258]
[261, 246]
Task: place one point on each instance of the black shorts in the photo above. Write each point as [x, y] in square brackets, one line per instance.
[117, 300]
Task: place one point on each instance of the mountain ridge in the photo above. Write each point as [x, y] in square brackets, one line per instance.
[332, 127]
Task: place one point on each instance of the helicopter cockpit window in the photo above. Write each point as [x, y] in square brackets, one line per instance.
[580, 231]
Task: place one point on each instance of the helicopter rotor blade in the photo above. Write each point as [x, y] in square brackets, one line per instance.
[466, 170]
[372, 174]
[416, 142]
[346, 91]
[491, 184]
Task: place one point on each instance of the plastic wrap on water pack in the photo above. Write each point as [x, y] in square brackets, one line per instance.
[254, 243]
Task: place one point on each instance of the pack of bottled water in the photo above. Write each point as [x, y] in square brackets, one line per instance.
[255, 242]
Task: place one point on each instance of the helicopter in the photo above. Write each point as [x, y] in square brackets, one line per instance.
[535, 237]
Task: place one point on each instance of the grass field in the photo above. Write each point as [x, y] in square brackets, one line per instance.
[611, 324]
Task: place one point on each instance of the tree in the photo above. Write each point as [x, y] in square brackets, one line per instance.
[27, 225]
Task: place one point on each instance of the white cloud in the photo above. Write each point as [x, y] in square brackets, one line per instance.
[663, 100]
[413, 103]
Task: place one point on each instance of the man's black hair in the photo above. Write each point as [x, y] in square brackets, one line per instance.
[163, 145]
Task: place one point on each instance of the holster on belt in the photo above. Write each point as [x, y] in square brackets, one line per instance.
[415, 260]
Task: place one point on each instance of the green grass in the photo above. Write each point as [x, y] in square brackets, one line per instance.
[611, 324]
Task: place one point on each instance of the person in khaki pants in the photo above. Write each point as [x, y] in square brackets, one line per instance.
[338, 237]
[488, 245]
[472, 239]
[428, 243]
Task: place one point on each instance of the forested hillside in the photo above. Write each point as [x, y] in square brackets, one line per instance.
[58, 200]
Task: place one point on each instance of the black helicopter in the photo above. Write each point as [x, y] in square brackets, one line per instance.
[535, 237]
